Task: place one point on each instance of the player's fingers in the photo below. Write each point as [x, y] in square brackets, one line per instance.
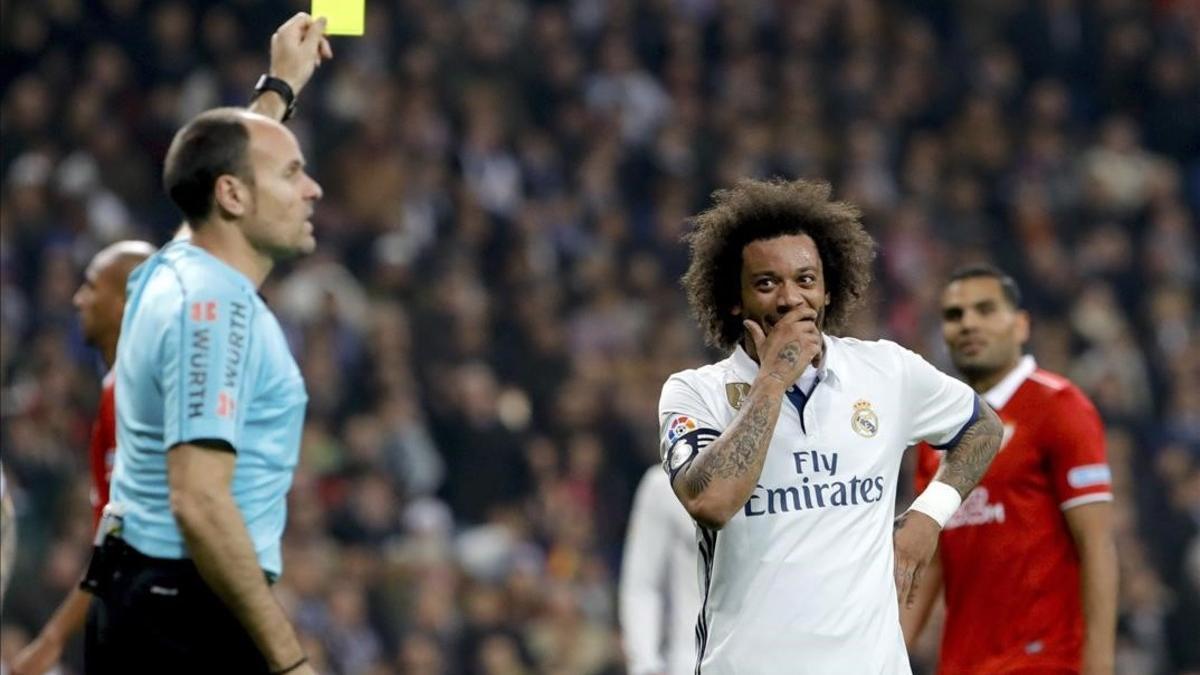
[912, 590]
[798, 314]
[756, 334]
[912, 594]
[908, 585]
[903, 579]
[804, 311]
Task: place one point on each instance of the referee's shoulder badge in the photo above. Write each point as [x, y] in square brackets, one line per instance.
[863, 421]
[736, 392]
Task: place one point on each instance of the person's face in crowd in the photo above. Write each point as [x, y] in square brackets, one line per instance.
[100, 299]
[983, 331]
[779, 275]
[277, 221]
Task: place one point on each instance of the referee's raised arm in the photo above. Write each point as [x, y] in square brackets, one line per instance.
[298, 47]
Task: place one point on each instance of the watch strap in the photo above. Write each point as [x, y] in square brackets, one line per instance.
[270, 83]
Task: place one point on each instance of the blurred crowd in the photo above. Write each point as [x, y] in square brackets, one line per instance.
[494, 303]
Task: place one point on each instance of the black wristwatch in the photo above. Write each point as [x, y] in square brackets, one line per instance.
[269, 83]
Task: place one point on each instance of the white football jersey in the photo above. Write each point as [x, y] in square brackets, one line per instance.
[659, 600]
[800, 580]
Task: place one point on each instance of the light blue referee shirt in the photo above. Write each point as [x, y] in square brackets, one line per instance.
[203, 358]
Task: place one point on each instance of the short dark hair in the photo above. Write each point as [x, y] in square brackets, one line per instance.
[1008, 285]
[764, 209]
[211, 145]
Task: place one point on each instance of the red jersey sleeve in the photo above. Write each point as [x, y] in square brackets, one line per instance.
[1073, 440]
[103, 447]
[928, 461]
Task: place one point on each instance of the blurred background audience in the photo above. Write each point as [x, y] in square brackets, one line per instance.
[495, 301]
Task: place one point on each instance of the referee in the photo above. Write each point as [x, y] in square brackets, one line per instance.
[210, 405]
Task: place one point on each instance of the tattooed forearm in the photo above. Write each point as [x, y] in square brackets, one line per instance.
[739, 452]
[964, 464]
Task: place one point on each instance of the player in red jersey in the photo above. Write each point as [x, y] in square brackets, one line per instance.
[100, 301]
[1028, 562]
[103, 444]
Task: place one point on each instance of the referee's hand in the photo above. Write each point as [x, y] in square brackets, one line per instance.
[297, 48]
[915, 540]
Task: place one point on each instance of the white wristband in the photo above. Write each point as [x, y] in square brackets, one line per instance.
[939, 501]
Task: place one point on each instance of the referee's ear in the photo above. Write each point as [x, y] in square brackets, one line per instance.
[231, 196]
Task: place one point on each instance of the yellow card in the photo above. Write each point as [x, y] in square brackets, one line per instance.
[344, 17]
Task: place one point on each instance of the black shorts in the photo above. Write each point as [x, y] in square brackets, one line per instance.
[152, 615]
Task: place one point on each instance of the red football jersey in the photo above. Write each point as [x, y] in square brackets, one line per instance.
[103, 447]
[1010, 568]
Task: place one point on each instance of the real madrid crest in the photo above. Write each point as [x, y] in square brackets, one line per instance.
[736, 393]
[863, 421]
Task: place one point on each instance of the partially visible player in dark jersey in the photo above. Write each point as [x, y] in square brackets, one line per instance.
[100, 301]
[1028, 562]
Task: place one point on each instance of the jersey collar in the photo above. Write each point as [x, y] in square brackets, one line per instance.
[746, 369]
[242, 279]
[999, 395]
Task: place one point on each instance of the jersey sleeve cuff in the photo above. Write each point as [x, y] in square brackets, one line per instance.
[208, 443]
[1086, 499]
[962, 430]
[684, 449]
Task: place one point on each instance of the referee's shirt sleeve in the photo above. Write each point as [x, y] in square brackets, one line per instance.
[204, 367]
[940, 408]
